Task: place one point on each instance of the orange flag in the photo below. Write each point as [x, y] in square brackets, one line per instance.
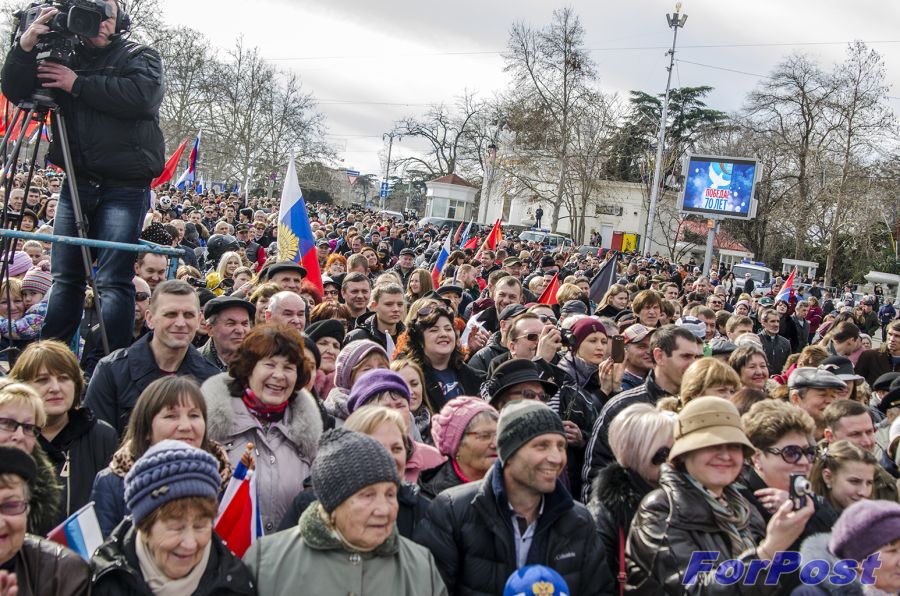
[549, 295]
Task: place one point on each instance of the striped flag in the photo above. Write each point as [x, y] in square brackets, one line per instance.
[238, 523]
[191, 170]
[79, 532]
[169, 169]
[465, 235]
[787, 289]
[295, 238]
[441, 261]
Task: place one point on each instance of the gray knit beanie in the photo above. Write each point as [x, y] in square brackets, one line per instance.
[522, 420]
[346, 463]
[167, 471]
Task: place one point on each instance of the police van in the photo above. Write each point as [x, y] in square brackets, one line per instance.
[762, 276]
[552, 242]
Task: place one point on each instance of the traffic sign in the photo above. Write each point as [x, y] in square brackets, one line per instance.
[352, 172]
[384, 190]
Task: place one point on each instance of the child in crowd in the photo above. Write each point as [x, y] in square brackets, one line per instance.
[34, 288]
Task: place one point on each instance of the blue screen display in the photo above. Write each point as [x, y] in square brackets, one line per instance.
[718, 186]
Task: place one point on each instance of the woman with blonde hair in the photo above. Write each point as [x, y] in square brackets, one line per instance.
[844, 474]
[614, 301]
[420, 283]
[419, 405]
[708, 376]
[568, 292]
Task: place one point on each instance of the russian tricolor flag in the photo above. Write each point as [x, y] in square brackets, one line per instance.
[295, 238]
[80, 532]
[191, 170]
[787, 288]
[441, 260]
[238, 523]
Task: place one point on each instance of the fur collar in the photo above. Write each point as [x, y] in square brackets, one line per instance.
[816, 547]
[619, 491]
[302, 423]
[336, 403]
[45, 495]
[122, 461]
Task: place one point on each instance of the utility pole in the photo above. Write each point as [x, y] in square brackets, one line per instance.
[387, 170]
[675, 21]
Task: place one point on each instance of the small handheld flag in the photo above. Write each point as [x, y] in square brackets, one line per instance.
[787, 289]
[238, 522]
[79, 532]
[441, 261]
[191, 170]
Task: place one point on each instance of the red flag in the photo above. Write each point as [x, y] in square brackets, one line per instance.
[169, 170]
[472, 243]
[237, 522]
[549, 295]
[458, 232]
[495, 236]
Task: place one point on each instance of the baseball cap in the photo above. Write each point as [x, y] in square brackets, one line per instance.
[637, 333]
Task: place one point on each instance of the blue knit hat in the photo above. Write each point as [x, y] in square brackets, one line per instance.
[374, 383]
[168, 471]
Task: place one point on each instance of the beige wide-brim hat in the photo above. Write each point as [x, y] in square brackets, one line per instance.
[706, 422]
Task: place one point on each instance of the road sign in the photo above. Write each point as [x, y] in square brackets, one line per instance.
[352, 172]
[384, 190]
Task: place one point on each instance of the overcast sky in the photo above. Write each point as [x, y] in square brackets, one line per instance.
[371, 63]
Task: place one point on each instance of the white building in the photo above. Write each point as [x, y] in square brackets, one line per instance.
[451, 197]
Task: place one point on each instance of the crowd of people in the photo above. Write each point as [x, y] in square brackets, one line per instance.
[413, 437]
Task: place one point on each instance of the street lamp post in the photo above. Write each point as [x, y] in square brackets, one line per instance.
[675, 21]
[387, 170]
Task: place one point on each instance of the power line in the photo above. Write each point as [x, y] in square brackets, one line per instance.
[743, 72]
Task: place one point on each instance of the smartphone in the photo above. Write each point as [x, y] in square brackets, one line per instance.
[618, 348]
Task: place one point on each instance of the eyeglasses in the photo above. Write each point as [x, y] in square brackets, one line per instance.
[660, 457]
[547, 319]
[484, 436]
[10, 426]
[141, 296]
[529, 394]
[330, 293]
[13, 507]
[791, 454]
[529, 337]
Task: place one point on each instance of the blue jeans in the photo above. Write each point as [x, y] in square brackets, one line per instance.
[112, 213]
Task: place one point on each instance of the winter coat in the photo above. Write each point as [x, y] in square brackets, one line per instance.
[44, 567]
[423, 457]
[108, 492]
[777, 350]
[112, 110]
[578, 404]
[117, 570]
[367, 328]
[313, 555]
[436, 480]
[874, 363]
[284, 452]
[615, 497]
[81, 449]
[412, 507]
[672, 523]
[43, 512]
[469, 530]
[336, 404]
[469, 379]
[816, 548]
[483, 357]
[120, 378]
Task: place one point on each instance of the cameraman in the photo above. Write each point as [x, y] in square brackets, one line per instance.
[110, 99]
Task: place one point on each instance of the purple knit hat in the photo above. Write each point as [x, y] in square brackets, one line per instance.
[585, 327]
[20, 263]
[864, 528]
[372, 383]
[350, 357]
[449, 426]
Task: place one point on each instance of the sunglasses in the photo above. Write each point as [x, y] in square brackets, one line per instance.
[141, 296]
[10, 426]
[791, 454]
[427, 310]
[660, 457]
[529, 337]
[547, 319]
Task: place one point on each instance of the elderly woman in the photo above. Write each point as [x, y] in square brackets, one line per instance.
[388, 427]
[169, 408]
[750, 363]
[78, 444]
[354, 359]
[640, 438]
[844, 474]
[708, 376]
[261, 400]
[348, 538]
[31, 565]
[432, 344]
[386, 388]
[168, 546]
[698, 508]
[328, 336]
[465, 430]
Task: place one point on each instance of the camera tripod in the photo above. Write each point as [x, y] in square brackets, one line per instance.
[40, 105]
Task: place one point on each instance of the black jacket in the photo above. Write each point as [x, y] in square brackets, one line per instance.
[436, 480]
[80, 450]
[598, 454]
[112, 113]
[482, 358]
[120, 378]
[777, 350]
[469, 378]
[367, 328]
[117, 570]
[615, 498]
[469, 531]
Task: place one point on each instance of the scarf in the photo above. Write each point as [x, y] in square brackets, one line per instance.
[263, 412]
[161, 584]
[459, 472]
[319, 532]
[732, 515]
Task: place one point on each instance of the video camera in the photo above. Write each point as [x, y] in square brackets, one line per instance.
[75, 17]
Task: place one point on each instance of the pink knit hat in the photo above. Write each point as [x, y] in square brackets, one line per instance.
[449, 426]
[37, 279]
[20, 263]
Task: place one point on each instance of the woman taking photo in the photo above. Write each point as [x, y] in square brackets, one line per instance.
[76, 442]
[465, 431]
[432, 344]
[261, 400]
[169, 408]
[348, 538]
[168, 545]
[843, 475]
[698, 508]
[750, 363]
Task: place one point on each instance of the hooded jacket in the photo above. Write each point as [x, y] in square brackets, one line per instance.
[284, 452]
[81, 449]
[117, 570]
[469, 530]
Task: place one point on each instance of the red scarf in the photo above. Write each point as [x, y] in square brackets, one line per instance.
[263, 412]
[459, 472]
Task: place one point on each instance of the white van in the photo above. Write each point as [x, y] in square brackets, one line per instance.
[762, 276]
[554, 242]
